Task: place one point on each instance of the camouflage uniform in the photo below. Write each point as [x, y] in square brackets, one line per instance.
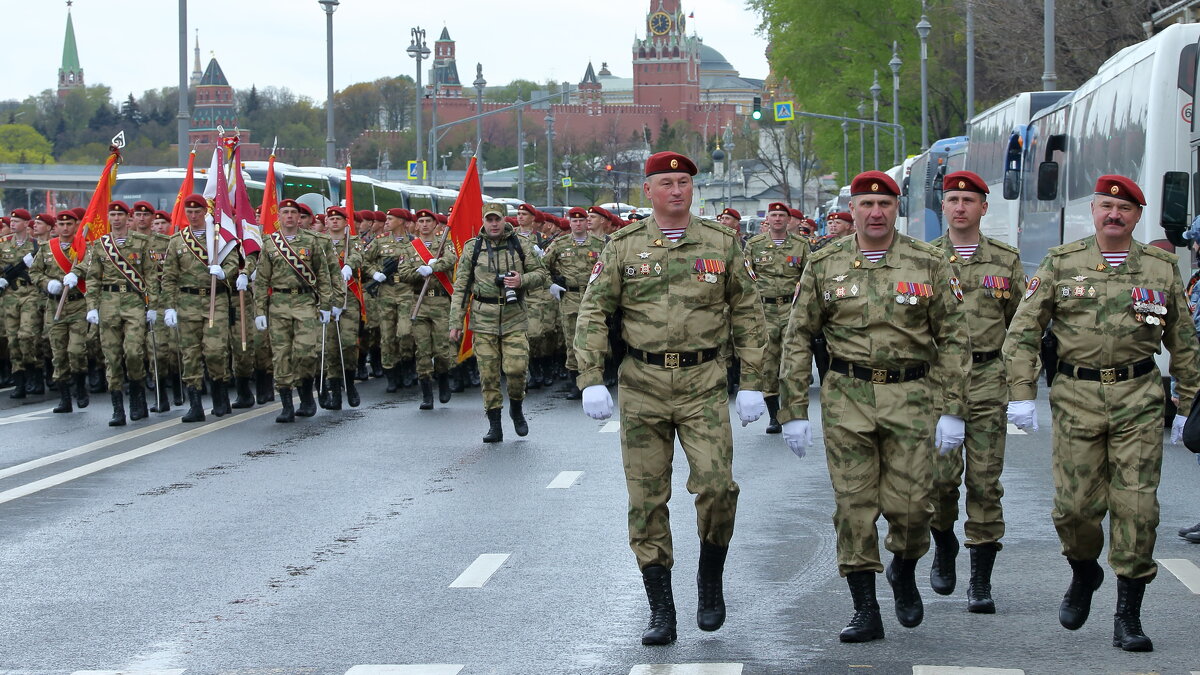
[1107, 444]
[431, 327]
[394, 299]
[290, 305]
[570, 262]
[68, 334]
[778, 268]
[878, 434]
[352, 310]
[673, 296]
[22, 304]
[186, 287]
[121, 306]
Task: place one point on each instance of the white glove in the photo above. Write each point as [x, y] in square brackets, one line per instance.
[93, 317]
[70, 280]
[242, 283]
[337, 313]
[217, 272]
[950, 433]
[28, 260]
[597, 402]
[798, 434]
[379, 276]
[324, 315]
[54, 286]
[557, 291]
[1177, 429]
[3, 282]
[1022, 415]
[260, 322]
[171, 318]
[254, 275]
[538, 250]
[432, 262]
[750, 406]
[347, 273]
[424, 270]
[151, 316]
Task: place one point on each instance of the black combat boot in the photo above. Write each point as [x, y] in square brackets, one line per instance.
[901, 574]
[393, 379]
[97, 384]
[163, 404]
[6, 376]
[264, 388]
[352, 398]
[81, 391]
[118, 401]
[245, 399]
[773, 425]
[661, 629]
[408, 372]
[473, 372]
[534, 375]
[137, 402]
[495, 433]
[334, 386]
[979, 591]
[573, 391]
[64, 397]
[942, 575]
[35, 383]
[308, 406]
[18, 385]
[710, 612]
[177, 389]
[376, 362]
[195, 412]
[444, 392]
[426, 393]
[1086, 577]
[866, 624]
[518, 416]
[360, 373]
[458, 379]
[288, 414]
[325, 395]
[1127, 622]
[220, 398]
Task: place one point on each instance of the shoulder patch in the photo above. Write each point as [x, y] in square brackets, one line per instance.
[1004, 247]
[926, 248]
[627, 230]
[728, 232]
[1156, 252]
[826, 251]
[1063, 249]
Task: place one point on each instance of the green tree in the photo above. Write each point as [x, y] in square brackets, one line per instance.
[22, 144]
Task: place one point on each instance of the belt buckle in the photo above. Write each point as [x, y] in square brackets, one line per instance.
[878, 376]
[1108, 376]
[671, 360]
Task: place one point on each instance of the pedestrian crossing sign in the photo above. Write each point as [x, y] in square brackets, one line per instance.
[416, 170]
[784, 112]
[566, 182]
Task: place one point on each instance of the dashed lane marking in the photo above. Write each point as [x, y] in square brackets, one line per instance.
[27, 416]
[564, 479]
[100, 465]
[84, 449]
[959, 670]
[611, 427]
[426, 669]
[687, 669]
[480, 571]
[1184, 570]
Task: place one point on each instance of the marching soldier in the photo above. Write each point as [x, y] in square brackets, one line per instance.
[777, 257]
[537, 304]
[170, 360]
[431, 326]
[570, 260]
[22, 303]
[837, 225]
[499, 268]
[292, 284]
[52, 269]
[141, 220]
[890, 308]
[347, 311]
[120, 299]
[1110, 302]
[382, 261]
[992, 283]
[675, 277]
[188, 275]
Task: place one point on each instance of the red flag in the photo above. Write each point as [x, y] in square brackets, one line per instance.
[243, 211]
[269, 213]
[178, 219]
[465, 220]
[354, 285]
[350, 203]
[95, 219]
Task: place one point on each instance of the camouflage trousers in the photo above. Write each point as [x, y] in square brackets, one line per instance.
[257, 354]
[201, 345]
[394, 312]
[987, 427]
[431, 335]
[777, 319]
[345, 330]
[1107, 457]
[295, 333]
[568, 315]
[68, 338]
[507, 353]
[879, 448]
[656, 404]
[23, 325]
[122, 337]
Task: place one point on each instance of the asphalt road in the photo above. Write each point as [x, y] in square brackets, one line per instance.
[386, 540]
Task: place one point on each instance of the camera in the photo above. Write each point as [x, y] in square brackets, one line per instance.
[510, 295]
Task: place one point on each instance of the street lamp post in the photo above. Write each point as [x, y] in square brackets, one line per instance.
[330, 6]
[846, 148]
[728, 139]
[875, 89]
[520, 150]
[1049, 78]
[479, 83]
[970, 59]
[862, 138]
[718, 156]
[419, 51]
[923, 28]
[549, 158]
[895, 64]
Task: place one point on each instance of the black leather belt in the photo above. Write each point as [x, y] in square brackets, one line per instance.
[1107, 375]
[290, 291]
[221, 290]
[119, 288]
[488, 301]
[437, 293]
[72, 295]
[674, 359]
[984, 357]
[878, 375]
[781, 300]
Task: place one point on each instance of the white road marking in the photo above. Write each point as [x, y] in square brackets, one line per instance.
[160, 671]
[419, 669]
[564, 479]
[480, 571]
[1184, 570]
[611, 427]
[1014, 431]
[27, 416]
[100, 465]
[84, 449]
[958, 670]
[687, 669]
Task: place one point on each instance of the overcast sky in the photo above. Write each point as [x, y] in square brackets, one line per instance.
[131, 45]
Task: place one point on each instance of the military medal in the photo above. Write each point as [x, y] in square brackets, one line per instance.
[644, 269]
[828, 296]
[658, 268]
[854, 289]
[841, 291]
[643, 255]
[857, 263]
[629, 271]
[1079, 278]
[901, 292]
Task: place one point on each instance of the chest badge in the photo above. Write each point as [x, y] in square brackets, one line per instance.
[643, 255]
[840, 278]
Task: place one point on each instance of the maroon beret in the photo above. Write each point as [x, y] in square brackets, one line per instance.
[424, 213]
[289, 204]
[1119, 187]
[318, 217]
[779, 206]
[563, 223]
[511, 220]
[364, 215]
[965, 181]
[306, 209]
[5, 220]
[732, 212]
[402, 214]
[79, 212]
[796, 213]
[379, 216]
[67, 215]
[162, 214]
[538, 216]
[118, 205]
[193, 201]
[576, 212]
[45, 218]
[20, 213]
[143, 206]
[669, 162]
[840, 215]
[600, 211]
[441, 218]
[528, 208]
[874, 183]
[336, 211]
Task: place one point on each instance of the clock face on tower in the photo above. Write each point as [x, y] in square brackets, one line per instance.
[660, 23]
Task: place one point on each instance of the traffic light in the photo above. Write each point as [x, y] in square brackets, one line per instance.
[608, 167]
[757, 112]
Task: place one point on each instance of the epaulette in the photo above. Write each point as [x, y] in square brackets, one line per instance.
[826, 250]
[1004, 247]
[716, 226]
[756, 238]
[926, 247]
[1156, 252]
[1063, 249]
[626, 231]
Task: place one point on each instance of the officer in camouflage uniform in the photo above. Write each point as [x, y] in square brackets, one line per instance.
[22, 304]
[43, 227]
[778, 260]
[52, 267]
[170, 360]
[537, 304]
[141, 220]
[186, 289]
[889, 306]
[992, 283]
[499, 266]
[674, 277]
[382, 261]
[431, 325]
[347, 311]
[1110, 302]
[292, 283]
[570, 260]
[122, 291]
